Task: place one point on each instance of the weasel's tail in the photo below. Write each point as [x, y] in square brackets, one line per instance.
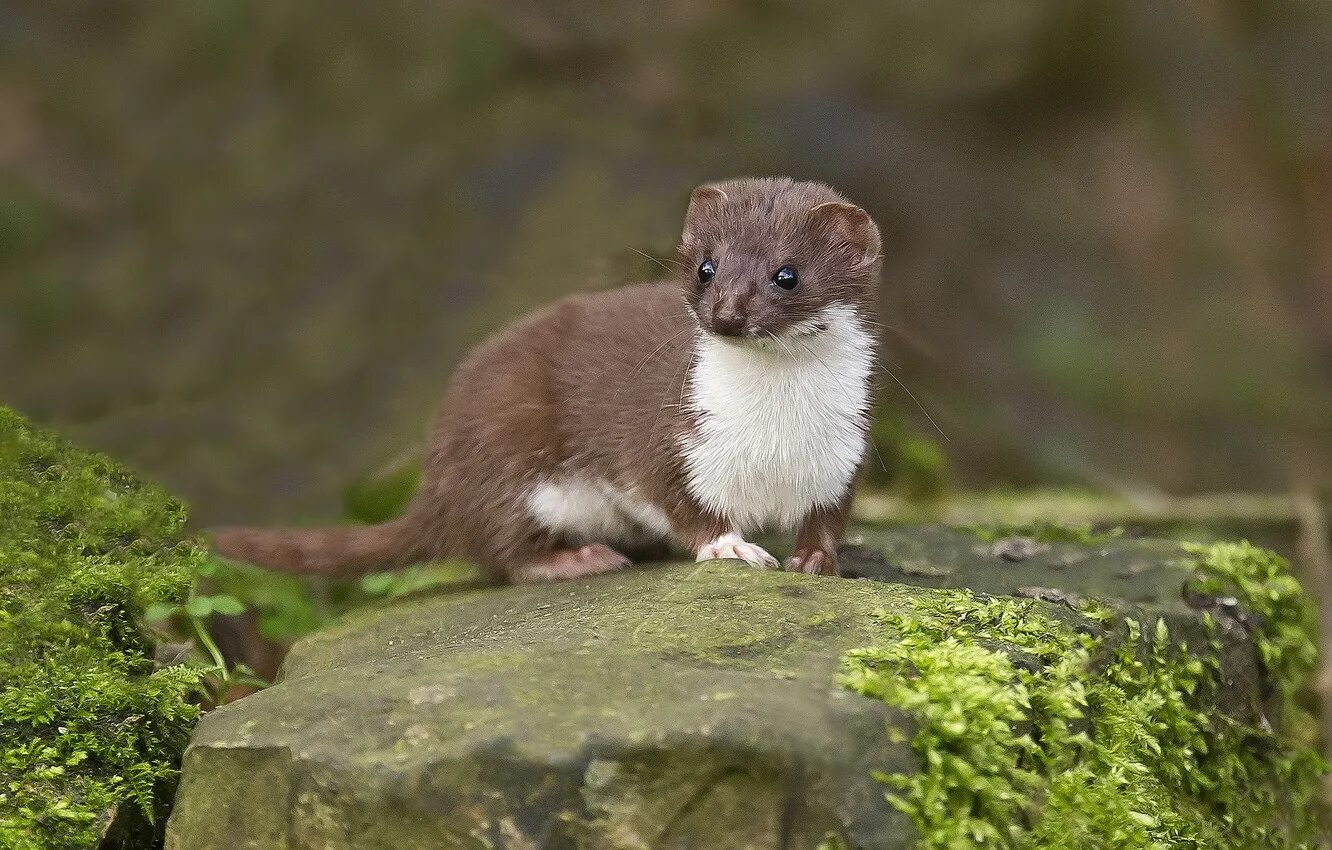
[338, 551]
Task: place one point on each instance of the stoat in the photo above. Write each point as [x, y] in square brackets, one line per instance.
[695, 411]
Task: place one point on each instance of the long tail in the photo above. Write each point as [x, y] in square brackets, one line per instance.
[338, 551]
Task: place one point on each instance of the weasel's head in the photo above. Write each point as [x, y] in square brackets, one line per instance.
[771, 258]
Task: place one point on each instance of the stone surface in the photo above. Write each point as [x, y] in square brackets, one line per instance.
[1139, 571]
[668, 706]
[641, 709]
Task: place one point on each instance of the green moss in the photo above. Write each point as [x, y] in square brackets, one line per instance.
[90, 730]
[1033, 733]
[1260, 581]
[1045, 532]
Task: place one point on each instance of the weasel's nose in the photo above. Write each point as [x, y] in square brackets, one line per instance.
[729, 314]
[728, 322]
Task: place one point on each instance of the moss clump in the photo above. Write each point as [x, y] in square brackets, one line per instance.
[1033, 733]
[1259, 581]
[90, 732]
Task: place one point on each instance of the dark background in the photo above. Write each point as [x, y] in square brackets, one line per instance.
[242, 243]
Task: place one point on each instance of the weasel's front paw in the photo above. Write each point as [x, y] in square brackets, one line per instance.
[813, 561]
[732, 546]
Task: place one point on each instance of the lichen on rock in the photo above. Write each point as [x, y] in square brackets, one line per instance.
[90, 730]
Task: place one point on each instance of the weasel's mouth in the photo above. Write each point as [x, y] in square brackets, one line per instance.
[749, 335]
[763, 337]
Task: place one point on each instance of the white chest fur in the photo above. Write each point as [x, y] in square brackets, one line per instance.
[781, 425]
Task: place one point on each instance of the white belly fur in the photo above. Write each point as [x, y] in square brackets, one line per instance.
[595, 511]
[781, 427]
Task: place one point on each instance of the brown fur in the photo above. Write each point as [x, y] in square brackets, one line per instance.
[596, 384]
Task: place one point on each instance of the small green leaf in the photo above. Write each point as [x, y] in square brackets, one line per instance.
[159, 611]
[199, 606]
[243, 674]
[226, 604]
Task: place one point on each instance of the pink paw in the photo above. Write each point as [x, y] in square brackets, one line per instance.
[733, 547]
[813, 561]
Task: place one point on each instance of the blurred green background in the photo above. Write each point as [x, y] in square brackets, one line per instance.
[242, 243]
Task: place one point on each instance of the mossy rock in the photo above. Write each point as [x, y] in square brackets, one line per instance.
[713, 706]
[91, 730]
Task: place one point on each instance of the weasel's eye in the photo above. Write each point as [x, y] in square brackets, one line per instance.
[706, 272]
[786, 278]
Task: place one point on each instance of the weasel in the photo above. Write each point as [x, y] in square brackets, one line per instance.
[696, 411]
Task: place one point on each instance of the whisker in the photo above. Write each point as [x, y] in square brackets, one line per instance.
[892, 375]
[869, 431]
[684, 381]
[658, 260]
[693, 354]
[779, 341]
[912, 396]
[672, 338]
[912, 340]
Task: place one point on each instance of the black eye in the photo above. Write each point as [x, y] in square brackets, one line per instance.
[706, 272]
[786, 278]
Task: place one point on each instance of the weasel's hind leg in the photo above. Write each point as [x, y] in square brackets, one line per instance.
[569, 563]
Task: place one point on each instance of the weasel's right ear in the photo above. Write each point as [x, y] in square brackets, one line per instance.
[703, 201]
[851, 224]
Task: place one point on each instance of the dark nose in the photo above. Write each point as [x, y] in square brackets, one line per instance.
[728, 319]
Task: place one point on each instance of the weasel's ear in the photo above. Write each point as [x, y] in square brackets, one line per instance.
[704, 200]
[851, 223]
